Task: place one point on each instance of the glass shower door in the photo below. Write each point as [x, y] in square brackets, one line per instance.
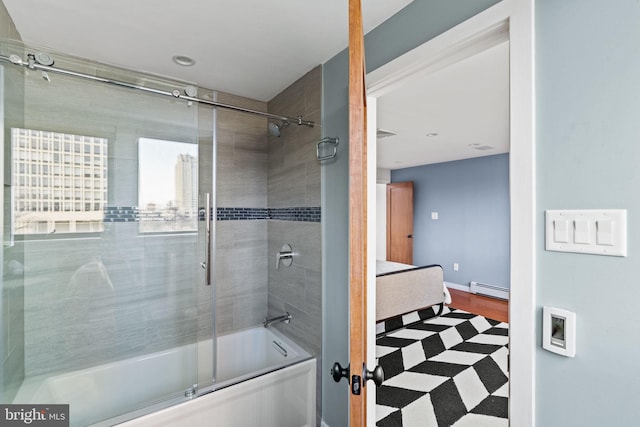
[103, 189]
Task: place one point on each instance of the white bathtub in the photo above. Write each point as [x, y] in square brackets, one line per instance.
[255, 377]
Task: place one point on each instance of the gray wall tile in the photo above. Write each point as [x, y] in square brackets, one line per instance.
[241, 246]
[294, 181]
[241, 155]
[287, 187]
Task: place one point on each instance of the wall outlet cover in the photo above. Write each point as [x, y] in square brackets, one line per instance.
[559, 331]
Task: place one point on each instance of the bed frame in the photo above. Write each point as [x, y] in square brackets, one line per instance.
[404, 291]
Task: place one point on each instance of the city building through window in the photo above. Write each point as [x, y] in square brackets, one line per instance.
[167, 186]
[59, 182]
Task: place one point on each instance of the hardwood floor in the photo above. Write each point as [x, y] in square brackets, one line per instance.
[477, 304]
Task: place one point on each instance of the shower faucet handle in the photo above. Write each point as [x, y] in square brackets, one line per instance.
[285, 255]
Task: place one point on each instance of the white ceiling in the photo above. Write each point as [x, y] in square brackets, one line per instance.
[256, 48]
[252, 48]
[466, 104]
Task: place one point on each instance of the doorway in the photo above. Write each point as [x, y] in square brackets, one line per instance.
[477, 34]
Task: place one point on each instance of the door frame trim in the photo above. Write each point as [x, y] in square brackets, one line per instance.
[512, 20]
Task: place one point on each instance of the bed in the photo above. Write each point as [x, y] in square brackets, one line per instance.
[403, 288]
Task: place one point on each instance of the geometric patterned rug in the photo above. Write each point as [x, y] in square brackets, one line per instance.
[450, 370]
[397, 322]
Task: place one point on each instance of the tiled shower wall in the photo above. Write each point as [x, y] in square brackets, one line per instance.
[294, 183]
[241, 229]
[12, 289]
[267, 194]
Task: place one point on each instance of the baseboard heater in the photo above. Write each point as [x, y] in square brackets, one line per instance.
[489, 290]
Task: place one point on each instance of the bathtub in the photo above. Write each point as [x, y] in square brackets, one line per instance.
[261, 373]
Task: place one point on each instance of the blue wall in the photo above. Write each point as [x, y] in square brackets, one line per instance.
[472, 200]
[588, 157]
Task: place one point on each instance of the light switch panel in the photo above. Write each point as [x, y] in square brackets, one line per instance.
[600, 232]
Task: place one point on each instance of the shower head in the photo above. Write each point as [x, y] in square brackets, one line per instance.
[275, 129]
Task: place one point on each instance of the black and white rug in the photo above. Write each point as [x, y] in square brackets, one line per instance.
[450, 370]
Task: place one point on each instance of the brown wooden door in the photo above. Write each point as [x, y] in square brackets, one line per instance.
[357, 217]
[400, 222]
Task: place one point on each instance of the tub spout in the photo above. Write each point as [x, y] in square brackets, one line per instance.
[286, 318]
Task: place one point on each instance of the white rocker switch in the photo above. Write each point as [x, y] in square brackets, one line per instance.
[604, 232]
[582, 232]
[561, 231]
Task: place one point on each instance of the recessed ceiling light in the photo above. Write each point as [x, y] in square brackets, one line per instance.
[185, 61]
[432, 134]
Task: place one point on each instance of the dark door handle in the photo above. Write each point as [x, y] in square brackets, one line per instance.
[377, 375]
[338, 372]
[410, 236]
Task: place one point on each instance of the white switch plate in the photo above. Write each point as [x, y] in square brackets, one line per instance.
[600, 232]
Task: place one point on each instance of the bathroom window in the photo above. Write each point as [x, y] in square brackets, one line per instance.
[167, 186]
[37, 214]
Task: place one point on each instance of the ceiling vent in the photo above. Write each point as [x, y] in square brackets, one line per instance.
[483, 147]
[381, 133]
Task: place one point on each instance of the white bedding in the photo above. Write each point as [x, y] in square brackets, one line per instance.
[383, 267]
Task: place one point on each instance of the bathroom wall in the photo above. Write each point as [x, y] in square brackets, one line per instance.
[294, 204]
[12, 290]
[267, 193]
[241, 226]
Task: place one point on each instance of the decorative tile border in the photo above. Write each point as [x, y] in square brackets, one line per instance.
[121, 214]
[302, 214]
[240, 214]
